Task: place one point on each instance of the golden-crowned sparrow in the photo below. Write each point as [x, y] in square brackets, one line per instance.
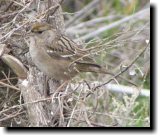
[58, 56]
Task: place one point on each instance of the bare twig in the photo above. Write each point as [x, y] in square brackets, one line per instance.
[10, 86]
[115, 24]
[92, 22]
[86, 10]
[137, 57]
[11, 116]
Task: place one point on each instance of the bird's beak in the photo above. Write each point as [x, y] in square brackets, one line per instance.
[30, 33]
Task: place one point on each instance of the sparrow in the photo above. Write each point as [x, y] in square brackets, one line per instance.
[58, 56]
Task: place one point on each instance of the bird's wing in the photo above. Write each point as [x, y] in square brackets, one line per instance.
[64, 46]
[67, 49]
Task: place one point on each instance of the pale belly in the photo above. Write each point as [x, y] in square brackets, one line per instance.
[51, 67]
[57, 71]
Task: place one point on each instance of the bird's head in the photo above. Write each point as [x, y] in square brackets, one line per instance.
[40, 27]
[42, 33]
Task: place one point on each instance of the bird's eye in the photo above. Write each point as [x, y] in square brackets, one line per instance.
[39, 32]
[36, 31]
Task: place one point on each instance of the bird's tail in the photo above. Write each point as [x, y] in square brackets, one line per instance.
[91, 67]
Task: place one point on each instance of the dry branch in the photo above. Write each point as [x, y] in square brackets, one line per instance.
[83, 13]
[115, 24]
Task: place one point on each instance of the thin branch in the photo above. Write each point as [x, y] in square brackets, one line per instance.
[86, 10]
[11, 116]
[9, 86]
[140, 54]
[127, 90]
[93, 22]
[115, 24]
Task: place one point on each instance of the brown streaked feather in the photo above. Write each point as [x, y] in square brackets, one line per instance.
[68, 50]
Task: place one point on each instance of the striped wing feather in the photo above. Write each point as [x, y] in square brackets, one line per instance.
[67, 49]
